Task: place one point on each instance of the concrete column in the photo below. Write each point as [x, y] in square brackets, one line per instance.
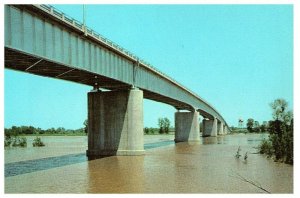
[225, 129]
[220, 128]
[187, 126]
[210, 127]
[115, 123]
[200, 123]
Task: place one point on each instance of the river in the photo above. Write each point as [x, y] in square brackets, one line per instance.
[208, 166]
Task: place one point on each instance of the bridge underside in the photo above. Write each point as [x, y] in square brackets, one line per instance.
[20, 61]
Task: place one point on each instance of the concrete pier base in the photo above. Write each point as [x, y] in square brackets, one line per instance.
[115, 123]
[187, 126]
[210, 127]
[220, 128]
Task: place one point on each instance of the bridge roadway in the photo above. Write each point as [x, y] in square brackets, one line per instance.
[44, 41]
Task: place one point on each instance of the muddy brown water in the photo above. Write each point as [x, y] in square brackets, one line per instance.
[208, 166]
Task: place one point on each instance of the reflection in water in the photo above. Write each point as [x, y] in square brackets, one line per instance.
[203, 167]
[123, 174]
[209, 140]
[214, 140]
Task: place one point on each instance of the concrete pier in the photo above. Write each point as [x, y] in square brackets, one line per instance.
[225, 130]
[115, 123]
[220, 128]
[210, 127]
[187, 126]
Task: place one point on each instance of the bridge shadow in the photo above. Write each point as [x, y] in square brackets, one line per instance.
[29, 166]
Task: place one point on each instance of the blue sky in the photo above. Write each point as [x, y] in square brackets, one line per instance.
[237, 57]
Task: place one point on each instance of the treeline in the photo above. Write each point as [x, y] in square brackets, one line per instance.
[30, 130]
[255, 126]
[154, 131]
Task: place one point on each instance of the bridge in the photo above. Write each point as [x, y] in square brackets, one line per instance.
[44, 41]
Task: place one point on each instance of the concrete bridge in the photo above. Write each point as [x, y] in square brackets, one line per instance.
[43, 41]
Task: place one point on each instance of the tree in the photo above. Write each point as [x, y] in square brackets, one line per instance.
[85, 123]
[256, 126]
[250, 123]
[61, 130]
[146, 130]
[161, 125]
[279, 109]
[166, 125]
[264, 126]
[288, 117]
[281, 131]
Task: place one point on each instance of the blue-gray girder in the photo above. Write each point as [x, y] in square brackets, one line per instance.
[44, 41]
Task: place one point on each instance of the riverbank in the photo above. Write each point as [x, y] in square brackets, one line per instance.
[208, 166]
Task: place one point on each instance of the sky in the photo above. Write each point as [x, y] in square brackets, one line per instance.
[239, 58]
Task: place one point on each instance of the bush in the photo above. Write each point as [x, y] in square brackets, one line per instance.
[7, 141]
[37, 142]
[152, 130]
[289, 147]
[265, 147]
[22, 142]
[281, 138]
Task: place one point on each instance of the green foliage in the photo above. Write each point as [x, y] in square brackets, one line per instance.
[161, 125]
[279, 108]
[238, 155]
[266, 147]
[238, 130]
[250, 124]
[152, 130]
[256, 127]
[264, 126]
[17, 141]
[146, 130]
[288, 139]
[37, 142]
[281, 138]
[30, 130]
[7, 141]
[167, 124]
[23, 142]
[85, 123]
[164, 125]
[246, 156]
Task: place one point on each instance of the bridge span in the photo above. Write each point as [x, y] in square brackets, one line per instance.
[44, 41]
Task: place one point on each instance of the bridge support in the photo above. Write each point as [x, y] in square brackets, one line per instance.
[225, 129]
[187, 126]
[220, 128]
[115, 123]
[210, 127]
